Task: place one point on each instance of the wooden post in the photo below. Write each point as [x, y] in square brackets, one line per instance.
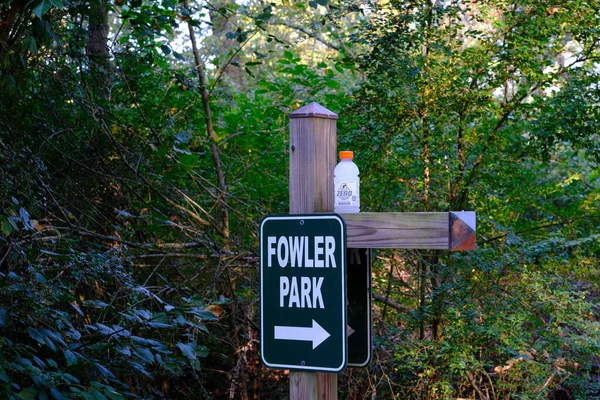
[313, 144]
[313, 158]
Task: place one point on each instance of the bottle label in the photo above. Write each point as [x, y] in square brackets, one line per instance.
[346, 193]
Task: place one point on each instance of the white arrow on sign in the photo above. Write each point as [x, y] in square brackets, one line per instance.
[316, 334]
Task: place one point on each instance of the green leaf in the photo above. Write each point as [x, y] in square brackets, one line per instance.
[42, 8]
[70, 357]
[28, 394]
[70, 378]
[112, 395]
[332, 84]
[56, 394]
[159, 325]
[50, 253]
[187, 350]
[144, 354]
[149, 342]
[141, 369]
[187, 159]
[76, 308]
[203, 314]
[40, 278]
[322, 2]
[104, 371]
[6, 227]
[38, 361]
[198, 325]
[313, 4]
[5, 320]
[33, 46]
[3, 376]
[29, 44]
[165, 49]
[54, 335]
[96, 395]
[201, 351]
[99, 303]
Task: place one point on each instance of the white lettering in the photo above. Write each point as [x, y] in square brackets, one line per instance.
[294, 297]
[284, 289]
[270, 249]
[295, 251]
[308, 263]
[283, 253]
[318, 251]
[307, 295]
[316, 292]
[329, 252]
[296, 248]
[305, 292]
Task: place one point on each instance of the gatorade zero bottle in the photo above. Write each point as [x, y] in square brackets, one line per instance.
[346, 185]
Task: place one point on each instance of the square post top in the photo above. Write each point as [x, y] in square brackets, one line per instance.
[313, 110]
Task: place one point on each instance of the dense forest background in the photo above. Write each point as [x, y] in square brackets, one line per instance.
[141, 142]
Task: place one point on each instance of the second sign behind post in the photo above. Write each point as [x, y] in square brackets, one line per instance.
[359, 306]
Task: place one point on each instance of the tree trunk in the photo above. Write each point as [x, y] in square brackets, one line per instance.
[97, 47]
[7, 24]
[214, 149]
[221, 24]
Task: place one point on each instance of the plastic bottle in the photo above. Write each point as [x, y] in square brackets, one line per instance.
[346, 185]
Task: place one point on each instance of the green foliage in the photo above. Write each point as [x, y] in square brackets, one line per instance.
[474, 108]
[78, 326]
[128, 267]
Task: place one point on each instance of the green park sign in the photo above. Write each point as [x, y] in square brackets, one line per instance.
[303, 292]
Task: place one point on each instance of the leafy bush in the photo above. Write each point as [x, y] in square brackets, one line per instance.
[78, 326]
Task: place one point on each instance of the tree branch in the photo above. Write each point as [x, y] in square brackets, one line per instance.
[307, 33]
[389, 302]
[209, 127]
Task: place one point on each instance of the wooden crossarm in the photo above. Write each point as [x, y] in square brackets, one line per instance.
[428, 230]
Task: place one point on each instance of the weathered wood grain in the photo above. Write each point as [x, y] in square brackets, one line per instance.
[303, 386]
[312, 159]
[427, 230]
[313, 145]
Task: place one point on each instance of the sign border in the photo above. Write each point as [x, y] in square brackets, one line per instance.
[343, 331]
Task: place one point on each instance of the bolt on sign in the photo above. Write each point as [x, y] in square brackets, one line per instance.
[303, 292]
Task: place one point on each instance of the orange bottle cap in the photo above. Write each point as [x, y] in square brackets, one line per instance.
[346, 155]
